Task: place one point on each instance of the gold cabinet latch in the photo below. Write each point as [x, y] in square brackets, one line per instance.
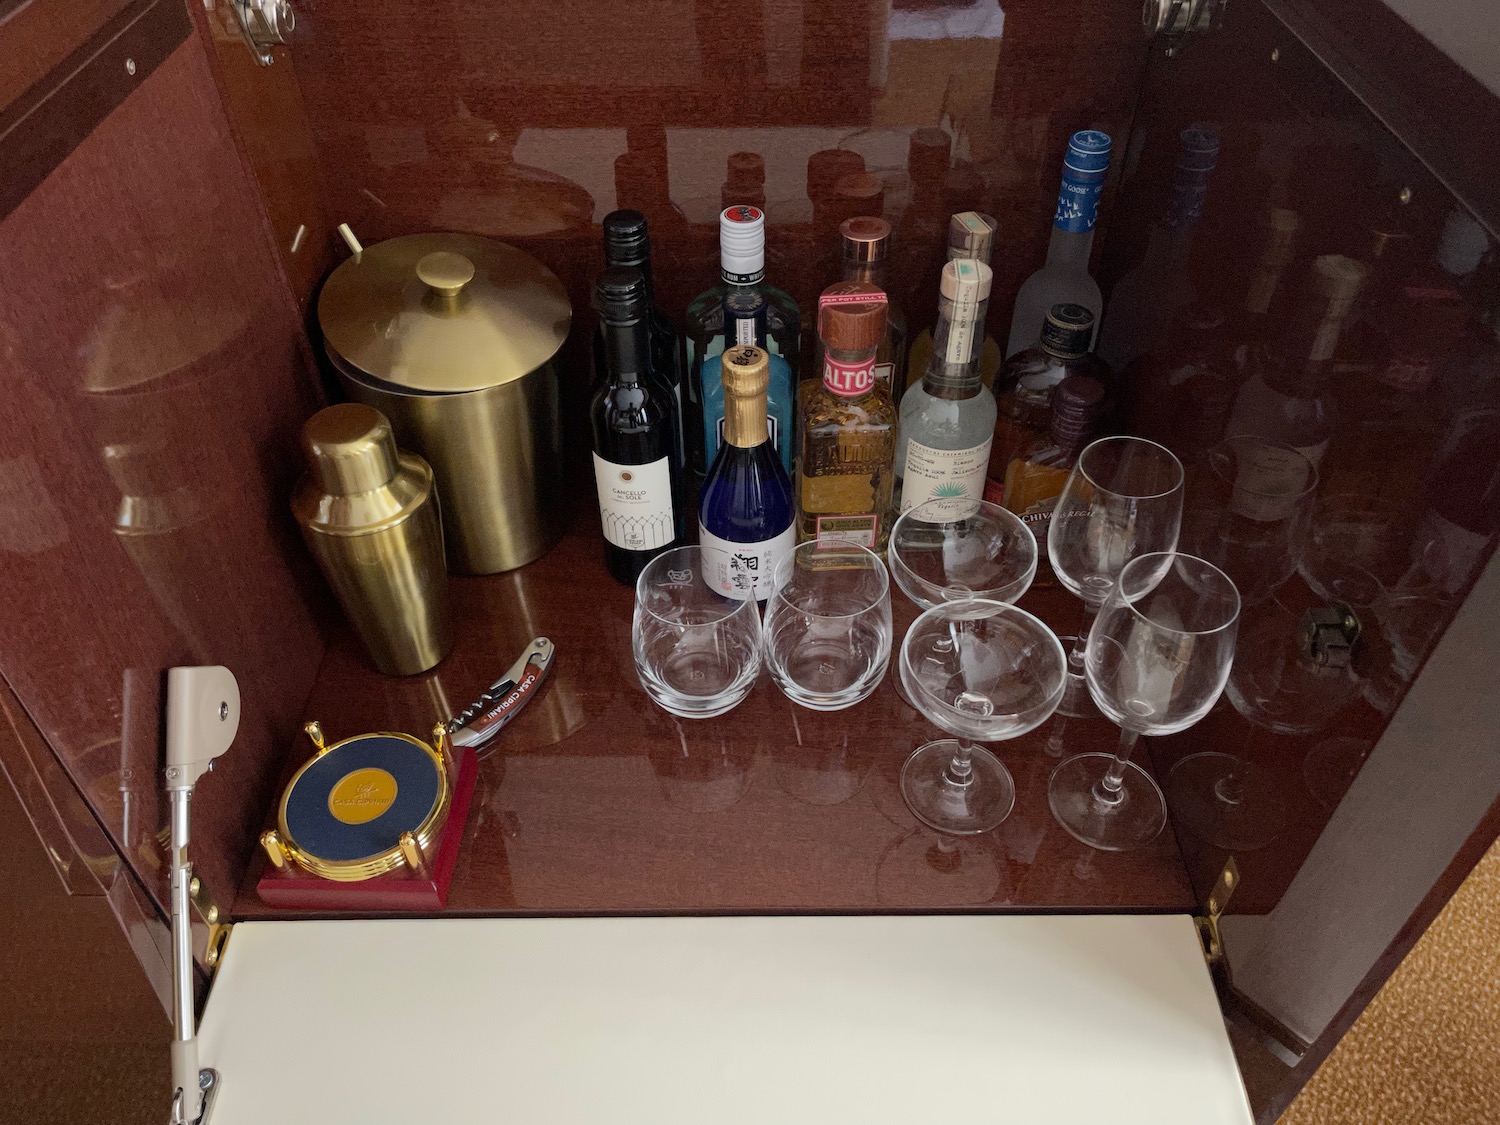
[1208, 921]
[218, 929]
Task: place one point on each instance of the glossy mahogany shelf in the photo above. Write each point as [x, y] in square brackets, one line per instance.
[596, 801]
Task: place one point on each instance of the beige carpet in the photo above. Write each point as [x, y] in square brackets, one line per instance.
[1427, 1049]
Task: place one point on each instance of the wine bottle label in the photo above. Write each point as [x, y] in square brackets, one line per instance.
[848, 380]
[943, 474]
[743, 570]
[635, 503]
[861, 530]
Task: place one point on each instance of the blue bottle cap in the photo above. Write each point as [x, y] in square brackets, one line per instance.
[1088, 155]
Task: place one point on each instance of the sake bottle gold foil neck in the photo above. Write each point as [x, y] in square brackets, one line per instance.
[350, 449]
[746, 375]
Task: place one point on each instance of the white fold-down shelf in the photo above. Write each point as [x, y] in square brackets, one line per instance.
[1032, 1020]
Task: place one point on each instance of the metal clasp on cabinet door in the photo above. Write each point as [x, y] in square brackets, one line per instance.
[1208, 922]
[265, 23]
[1177, 19]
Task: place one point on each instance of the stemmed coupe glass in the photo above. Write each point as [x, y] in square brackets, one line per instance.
[947, 549]
[1122, 499]
[1005, 678]
[1158, 656]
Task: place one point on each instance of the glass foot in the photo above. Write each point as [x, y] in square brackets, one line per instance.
[1076, 701]
[1225, 801]
[924, 869]
[1132, 820]
[978, 804]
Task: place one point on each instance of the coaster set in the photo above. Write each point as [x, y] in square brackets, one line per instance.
[370, 823]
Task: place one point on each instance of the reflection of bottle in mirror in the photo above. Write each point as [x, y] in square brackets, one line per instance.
[1278, 229]
[742, 262]
[1285, 399]
[1463, 501]
[1181, 396]
[634, 425]
[744, 180]
[1037, 472]
[745, 510]
[846, 425]
[745, 324]
[948, 419]
[1146, 299]
[1024, 387]
[1064, 277]
[866, 243]
[970, 235]
[627, 244]
[916, 245]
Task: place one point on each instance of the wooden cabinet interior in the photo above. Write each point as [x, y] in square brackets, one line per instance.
[160, 369]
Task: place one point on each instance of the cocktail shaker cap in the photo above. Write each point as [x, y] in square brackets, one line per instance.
[866, 238]
[852, 316]
[349, 449]
[620, 295]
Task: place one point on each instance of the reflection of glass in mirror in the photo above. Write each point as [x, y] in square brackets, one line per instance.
[928, 869]
[1277, 684]
[699, 772]
[1407, 628]
[825, 766]
[1357, 547]
[1249, 507]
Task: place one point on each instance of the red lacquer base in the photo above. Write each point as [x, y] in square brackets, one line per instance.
[397, 891]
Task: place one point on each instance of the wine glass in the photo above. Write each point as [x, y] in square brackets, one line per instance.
[950, 548]
[828, 624]
[1158, 657]
[697, 652]
[1122, 499]
[1249, 512]
[1005, 678]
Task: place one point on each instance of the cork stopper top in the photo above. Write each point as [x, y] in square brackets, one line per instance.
[851, 316]
[745, 371]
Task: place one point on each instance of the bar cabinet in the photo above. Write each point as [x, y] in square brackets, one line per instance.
[171, 177]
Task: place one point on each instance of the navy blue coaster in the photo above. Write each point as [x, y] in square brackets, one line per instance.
[355, 801]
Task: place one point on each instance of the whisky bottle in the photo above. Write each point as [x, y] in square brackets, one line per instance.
[948, 419]
[1037, 472]
[970, 235]
[1285, 399]
[742, 264]
[1064, 277]
[846, 425]
[1025, 385]
[866, 242]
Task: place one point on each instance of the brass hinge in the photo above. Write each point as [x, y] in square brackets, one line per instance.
[218, 930]
[1208, 921]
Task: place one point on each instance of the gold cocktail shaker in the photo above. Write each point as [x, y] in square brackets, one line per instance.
[369, 514]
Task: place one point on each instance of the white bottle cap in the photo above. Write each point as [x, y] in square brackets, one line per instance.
[742, 242]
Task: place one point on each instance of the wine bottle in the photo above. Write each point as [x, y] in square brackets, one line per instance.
[948, 419]
[746, 517]
[627, 243]
[1064, 277]
[745, 322]
[634, 426]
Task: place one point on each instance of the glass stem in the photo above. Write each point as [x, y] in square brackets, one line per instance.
[1109, 790]
[960, 771]
[1081, 642]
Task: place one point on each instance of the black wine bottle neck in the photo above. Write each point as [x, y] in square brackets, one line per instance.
[627, 350]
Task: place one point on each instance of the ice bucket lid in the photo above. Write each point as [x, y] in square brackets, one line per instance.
[444, 313]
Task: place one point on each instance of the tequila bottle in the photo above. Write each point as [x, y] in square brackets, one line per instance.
[948, 419]
[846, 425]
[866, 243]
[970, 235]
[1064, 278]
